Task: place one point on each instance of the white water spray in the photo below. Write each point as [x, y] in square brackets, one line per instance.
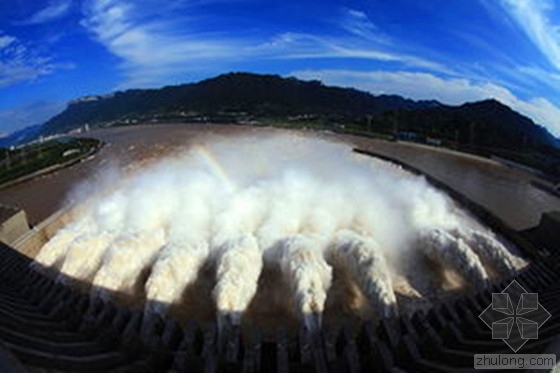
[239, 265]
[302, 262]
[295, 203]
[442, 247]
[175, 269]
[125, 259]
[363, 259]
[84, 254]
[54, 252]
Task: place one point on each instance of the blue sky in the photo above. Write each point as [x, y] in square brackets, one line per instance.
[450, 50]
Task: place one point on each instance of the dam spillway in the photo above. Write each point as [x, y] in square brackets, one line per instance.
[295, 205]
[373, 345]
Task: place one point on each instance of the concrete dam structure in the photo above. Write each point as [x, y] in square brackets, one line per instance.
[99, 297]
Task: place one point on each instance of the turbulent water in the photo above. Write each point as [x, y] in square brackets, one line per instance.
[300, 205]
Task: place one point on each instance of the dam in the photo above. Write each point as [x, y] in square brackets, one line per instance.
[120, 332]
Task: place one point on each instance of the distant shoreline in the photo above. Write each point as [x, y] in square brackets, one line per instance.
[44, 171]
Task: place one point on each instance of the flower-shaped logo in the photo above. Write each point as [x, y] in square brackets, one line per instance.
[528, 315]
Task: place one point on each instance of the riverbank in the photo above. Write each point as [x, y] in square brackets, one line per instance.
[80, 154]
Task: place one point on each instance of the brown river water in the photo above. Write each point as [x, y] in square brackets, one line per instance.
[504, 191]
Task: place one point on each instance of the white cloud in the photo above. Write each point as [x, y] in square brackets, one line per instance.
[5, 41]
[416, 85]
[20, 63]
[541, 111]
[532, 17]
[151, 50]
[358, 23]
[55, 10]
[155, 50]
[291, 45]
[536, 77]
[453, 91]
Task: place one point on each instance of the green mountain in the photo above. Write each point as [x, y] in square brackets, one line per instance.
[485, 127]
[257, 95]
[486, 123]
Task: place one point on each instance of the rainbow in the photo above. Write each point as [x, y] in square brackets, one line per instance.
[214, 166]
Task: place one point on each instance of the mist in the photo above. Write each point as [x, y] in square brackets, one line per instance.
[298, 204]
